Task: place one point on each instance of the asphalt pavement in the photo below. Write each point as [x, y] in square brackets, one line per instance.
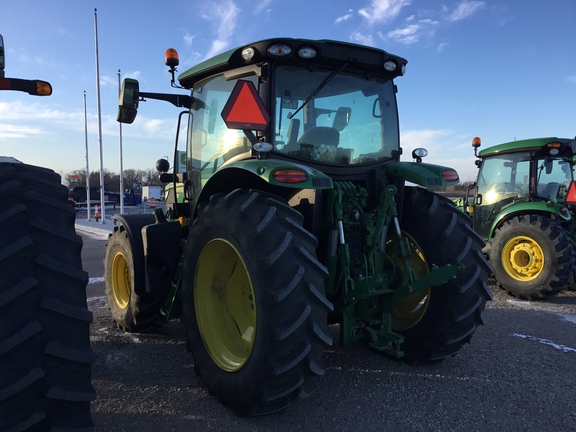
[516, 375]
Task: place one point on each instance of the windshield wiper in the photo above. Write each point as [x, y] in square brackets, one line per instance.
[320, 87]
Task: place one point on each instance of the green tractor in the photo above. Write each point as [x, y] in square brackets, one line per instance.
[522, 205]
[45, 353]
[294, 213]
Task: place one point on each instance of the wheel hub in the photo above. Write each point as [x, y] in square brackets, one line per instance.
[523, 258]
[225, 305]
[121, 282]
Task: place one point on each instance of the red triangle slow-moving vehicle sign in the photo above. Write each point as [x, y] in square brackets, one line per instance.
[244, 108]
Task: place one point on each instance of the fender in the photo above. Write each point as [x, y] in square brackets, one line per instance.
[539, 207]
[259, 174]
[156, 247]
[423, 174]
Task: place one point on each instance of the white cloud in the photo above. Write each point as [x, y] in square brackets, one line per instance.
[443, 46]
[381, 11]
[413, 32]
[261, 6]
[361, 39]
[17, 131]
[345, 17]
[225, 15]
[465, 9]
[135, 74]
[188, 38]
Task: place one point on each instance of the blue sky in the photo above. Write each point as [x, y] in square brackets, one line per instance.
[501, 70]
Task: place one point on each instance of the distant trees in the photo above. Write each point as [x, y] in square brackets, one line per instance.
[133, 179]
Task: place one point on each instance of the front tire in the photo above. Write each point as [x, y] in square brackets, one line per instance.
[532, 256]
[437, 322]
[124, 264]
[253, 302]
[45, 353]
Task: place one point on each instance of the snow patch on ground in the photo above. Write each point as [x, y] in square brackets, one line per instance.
[563, 348]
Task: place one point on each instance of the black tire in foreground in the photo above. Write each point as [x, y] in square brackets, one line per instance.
[124, 264]
[45, 353]
[436, 323]
[532, 257]
[253, 302]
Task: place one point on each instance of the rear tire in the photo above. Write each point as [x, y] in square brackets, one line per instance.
[451, 312]
[45, 353]
[124, 271]
[253, 302]
[532, 257]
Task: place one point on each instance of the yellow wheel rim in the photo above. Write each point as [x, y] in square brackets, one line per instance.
[523, 258]
[410, 310]
[225, 305]
[121, 281]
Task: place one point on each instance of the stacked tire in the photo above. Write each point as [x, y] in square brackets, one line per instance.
[45, 353]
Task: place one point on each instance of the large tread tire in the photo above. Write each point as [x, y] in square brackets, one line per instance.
[45, 353]
[545, 239]
[124, 272]
[455, 309]
[288, 289]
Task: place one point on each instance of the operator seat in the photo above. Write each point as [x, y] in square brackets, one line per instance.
[320, 135]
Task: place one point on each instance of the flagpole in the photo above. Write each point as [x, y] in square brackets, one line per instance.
[121, 162]
[87, 164]
[102, 203]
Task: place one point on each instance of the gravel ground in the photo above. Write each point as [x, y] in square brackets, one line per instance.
[516, 375]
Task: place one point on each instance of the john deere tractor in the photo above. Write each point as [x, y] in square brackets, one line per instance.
[294, 213]
[45, 354]
[522, 205]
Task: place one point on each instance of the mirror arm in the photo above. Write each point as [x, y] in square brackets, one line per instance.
[175, 99]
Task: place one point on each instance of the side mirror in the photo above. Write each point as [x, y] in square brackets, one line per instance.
[128, 101]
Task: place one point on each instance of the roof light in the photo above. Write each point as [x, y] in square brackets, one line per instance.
[290, 176]
[450, 175]
[476, 142]
[171, 58]
[403, 70]
[248, 53]
[307, 52]
[390, 66]
[279, 50]
[554, 151]
[554, 145]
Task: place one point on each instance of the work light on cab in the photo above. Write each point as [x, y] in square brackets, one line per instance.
[279, 50]
[390, 66]
[290, 176]
[554, 148]
[248, 53]
[307, 52]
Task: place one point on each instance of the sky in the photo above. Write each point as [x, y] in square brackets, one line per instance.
[498, 69]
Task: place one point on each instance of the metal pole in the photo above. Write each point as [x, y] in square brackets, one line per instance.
[87, 164]
[102, 203]
[121, 162]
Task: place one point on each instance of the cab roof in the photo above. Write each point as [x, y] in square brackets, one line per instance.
[329, 52]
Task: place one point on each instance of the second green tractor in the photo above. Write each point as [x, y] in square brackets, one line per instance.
[523, 205]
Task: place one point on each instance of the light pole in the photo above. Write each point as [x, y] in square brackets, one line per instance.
[87, 164]
[121, 162]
